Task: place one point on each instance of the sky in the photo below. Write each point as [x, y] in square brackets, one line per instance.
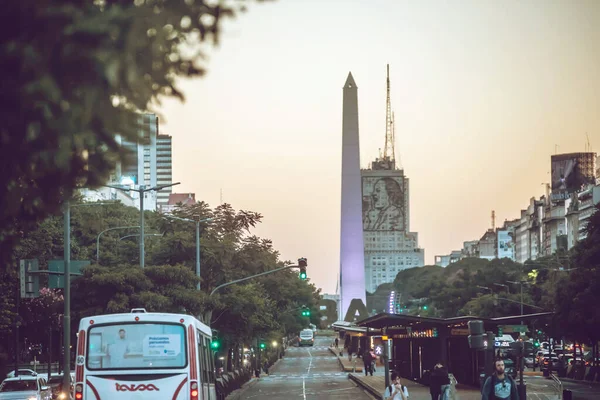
[484, 92]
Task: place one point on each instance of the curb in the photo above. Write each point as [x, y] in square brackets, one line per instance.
[582, 381]
[358, 368]
[366, 388]
[236, 394]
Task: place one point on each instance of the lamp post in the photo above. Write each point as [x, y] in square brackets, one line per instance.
[67, 290]
[141, 191]
[137, 234]
[197, 220]
[106, 230]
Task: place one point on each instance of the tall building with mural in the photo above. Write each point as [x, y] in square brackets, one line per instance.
[389, 244]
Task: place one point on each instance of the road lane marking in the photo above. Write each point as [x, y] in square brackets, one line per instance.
[303, 388]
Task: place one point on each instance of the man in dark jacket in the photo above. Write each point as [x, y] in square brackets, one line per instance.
[439, 378]
[499, 386]
[367, 361]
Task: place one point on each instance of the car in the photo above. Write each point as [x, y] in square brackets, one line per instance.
[25, 387]
[55, 383]
[26, 372]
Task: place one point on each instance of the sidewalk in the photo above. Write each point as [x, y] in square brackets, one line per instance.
[356, 365]
[375, 385]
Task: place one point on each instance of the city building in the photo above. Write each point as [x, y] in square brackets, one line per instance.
[505, 239]
[178, 199]
[528, 232]
[444, 261]
[138, 167]
[164, 167]
[389, 245]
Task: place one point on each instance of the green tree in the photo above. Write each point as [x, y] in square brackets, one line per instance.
[78, 82]
[577, 297]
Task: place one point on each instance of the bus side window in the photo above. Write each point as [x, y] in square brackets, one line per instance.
[210, 364]
[202, 351]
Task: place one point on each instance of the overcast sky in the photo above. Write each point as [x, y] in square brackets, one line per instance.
[483, 92]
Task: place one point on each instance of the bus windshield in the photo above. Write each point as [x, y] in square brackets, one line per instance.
[136, 346]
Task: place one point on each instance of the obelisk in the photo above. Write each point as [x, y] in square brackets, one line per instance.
[352, 258]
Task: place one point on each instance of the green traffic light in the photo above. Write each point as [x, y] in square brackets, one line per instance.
[424, 307]
[215, 344]
[262, 345]
[303, 275]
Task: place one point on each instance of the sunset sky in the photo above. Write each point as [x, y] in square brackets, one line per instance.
[482, 91]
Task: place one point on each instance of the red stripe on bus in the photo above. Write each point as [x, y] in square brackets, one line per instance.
[80, 352]
[88, 383]
[179, 388]
[192, 344]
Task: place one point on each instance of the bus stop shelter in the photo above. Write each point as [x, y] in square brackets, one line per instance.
[418, 343]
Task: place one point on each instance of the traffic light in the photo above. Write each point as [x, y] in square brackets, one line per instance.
[476, 335]
[302, 264]
[536, 343]
[306, 312]
[215, 344]
[424, 307]
[435, 332]
[262, 345]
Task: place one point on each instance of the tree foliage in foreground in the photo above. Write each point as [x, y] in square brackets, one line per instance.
[76, 75]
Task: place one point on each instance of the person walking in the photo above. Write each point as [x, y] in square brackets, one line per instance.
[337, 342]
[439, 385]
[367, 362]
[499, 386]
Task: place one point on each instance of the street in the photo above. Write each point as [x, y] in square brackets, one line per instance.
[306, 372]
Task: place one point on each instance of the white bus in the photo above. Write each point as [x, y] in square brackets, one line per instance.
[144, 356]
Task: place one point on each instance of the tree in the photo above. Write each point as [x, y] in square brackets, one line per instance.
[80, 81]
[577, 298]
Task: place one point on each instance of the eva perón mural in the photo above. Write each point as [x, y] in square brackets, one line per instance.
[383, 203]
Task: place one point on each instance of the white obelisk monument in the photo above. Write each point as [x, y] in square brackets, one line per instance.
[352, 258]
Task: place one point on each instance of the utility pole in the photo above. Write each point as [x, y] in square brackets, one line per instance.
[197, 220]
[142, 191]
[67, 297]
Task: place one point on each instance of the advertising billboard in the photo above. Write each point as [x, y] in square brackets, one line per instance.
[506, 246]
[384, 203]
[570, 172]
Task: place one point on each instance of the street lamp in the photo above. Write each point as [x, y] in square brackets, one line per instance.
[141, 191]
[521, 283]
[502, 285]
[197, 220]
[100, 234]
[67, 289]
[137, 234]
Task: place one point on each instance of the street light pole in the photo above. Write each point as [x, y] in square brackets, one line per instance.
[67, 297]
[142, 191]
[100, 234]
[197, 220]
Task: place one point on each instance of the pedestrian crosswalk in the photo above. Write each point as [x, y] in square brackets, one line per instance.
[311, 348]
[324, 375]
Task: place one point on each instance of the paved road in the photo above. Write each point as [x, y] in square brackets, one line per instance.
[306, 373]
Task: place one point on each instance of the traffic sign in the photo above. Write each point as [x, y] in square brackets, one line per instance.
[512, 329]
[56, 269]
[378, 350]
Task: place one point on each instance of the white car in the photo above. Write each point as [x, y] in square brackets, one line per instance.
[24, 372]
[25, 388]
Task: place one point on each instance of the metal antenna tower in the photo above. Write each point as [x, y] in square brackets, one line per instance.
[388, 151]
